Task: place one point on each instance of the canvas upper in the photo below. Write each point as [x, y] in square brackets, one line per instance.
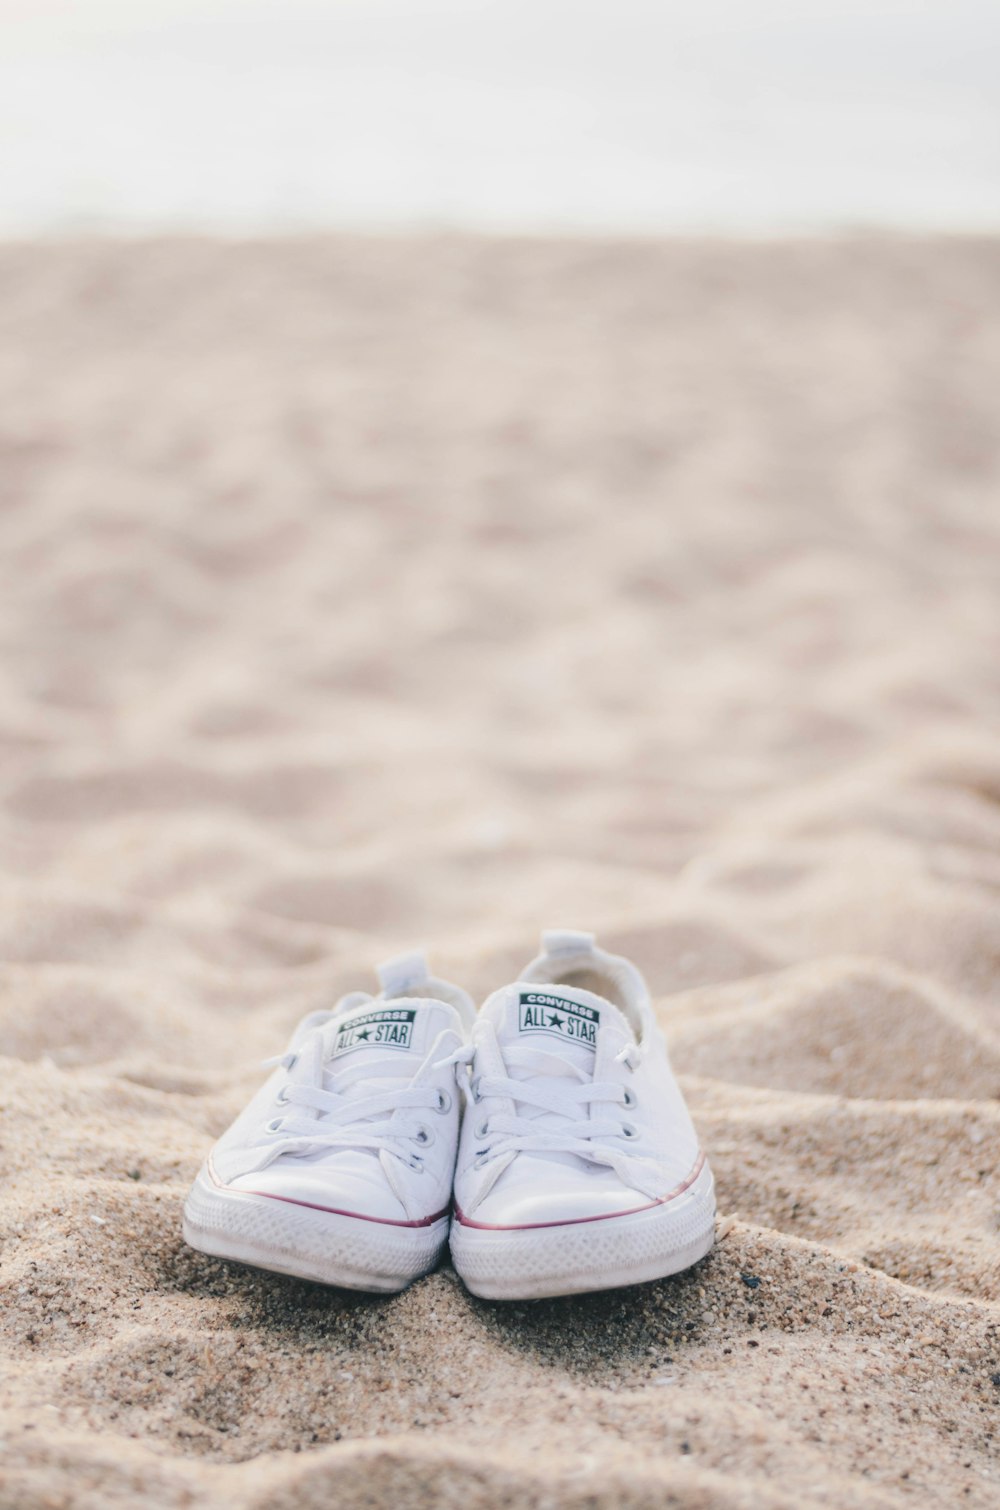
[574, 1111]
[360, 1115]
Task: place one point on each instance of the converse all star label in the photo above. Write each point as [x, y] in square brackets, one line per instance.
[384, 1028]
[541, 1012]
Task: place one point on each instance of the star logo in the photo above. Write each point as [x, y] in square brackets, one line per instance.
[386, 1028]
[572, 1021]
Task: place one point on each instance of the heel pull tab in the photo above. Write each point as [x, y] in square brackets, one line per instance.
[557, 941]
[400, 974]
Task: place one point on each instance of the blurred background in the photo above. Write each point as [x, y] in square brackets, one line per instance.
[558, 115]
[539, 448]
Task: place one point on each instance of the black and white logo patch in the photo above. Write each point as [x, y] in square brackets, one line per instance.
[542, 1013]
[385, 1028]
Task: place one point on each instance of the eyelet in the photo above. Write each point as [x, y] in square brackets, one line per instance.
[629, 1098]
[474, 1089]
[628, 1131]
[423, 1135]
[416, 1163]
[275, 1125]
[281, 1099]
[483, 1130]
[481, 1159]
[443, 1103]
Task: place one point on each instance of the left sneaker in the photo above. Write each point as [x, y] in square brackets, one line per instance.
[579, 1167]
[340, 1169]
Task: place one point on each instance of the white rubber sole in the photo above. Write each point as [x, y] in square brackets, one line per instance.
[533, 1263]
[325, 1246]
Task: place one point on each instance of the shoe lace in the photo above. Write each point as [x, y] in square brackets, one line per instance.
[554, 1110]
[354, 1107]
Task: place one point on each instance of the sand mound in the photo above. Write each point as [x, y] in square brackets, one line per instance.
[360, 593]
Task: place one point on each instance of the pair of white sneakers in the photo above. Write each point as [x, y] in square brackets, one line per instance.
[574, 1167]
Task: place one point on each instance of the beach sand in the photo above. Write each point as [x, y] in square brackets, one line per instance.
[361, 594]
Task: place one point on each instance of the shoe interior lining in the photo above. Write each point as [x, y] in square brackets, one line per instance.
[598, 981]
[435, 989]
[588, 976]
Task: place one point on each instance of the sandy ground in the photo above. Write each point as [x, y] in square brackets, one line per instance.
[362, 594]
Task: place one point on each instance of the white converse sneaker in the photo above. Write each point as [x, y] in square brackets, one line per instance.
[578, 1167]
[340, 1169]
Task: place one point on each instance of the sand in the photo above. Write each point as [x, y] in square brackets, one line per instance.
[361, 594]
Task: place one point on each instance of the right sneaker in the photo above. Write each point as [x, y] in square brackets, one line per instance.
[579, 1167]
[340, 1169]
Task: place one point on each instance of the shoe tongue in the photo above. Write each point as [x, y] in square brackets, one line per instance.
[563, 1020]
[402, 1027]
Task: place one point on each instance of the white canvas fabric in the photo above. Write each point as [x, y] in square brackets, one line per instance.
[340, 1168]
[579, 1167]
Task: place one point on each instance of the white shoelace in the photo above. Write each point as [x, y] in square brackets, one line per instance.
[351, 1108]
[564, 1096]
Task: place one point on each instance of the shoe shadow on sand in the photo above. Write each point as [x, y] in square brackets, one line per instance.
[609, 1329]
[631, 1327]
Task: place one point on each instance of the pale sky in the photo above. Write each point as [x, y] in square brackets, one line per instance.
[563, 115]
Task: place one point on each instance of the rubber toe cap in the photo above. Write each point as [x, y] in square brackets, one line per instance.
[343, 1183]
[533, 1192]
